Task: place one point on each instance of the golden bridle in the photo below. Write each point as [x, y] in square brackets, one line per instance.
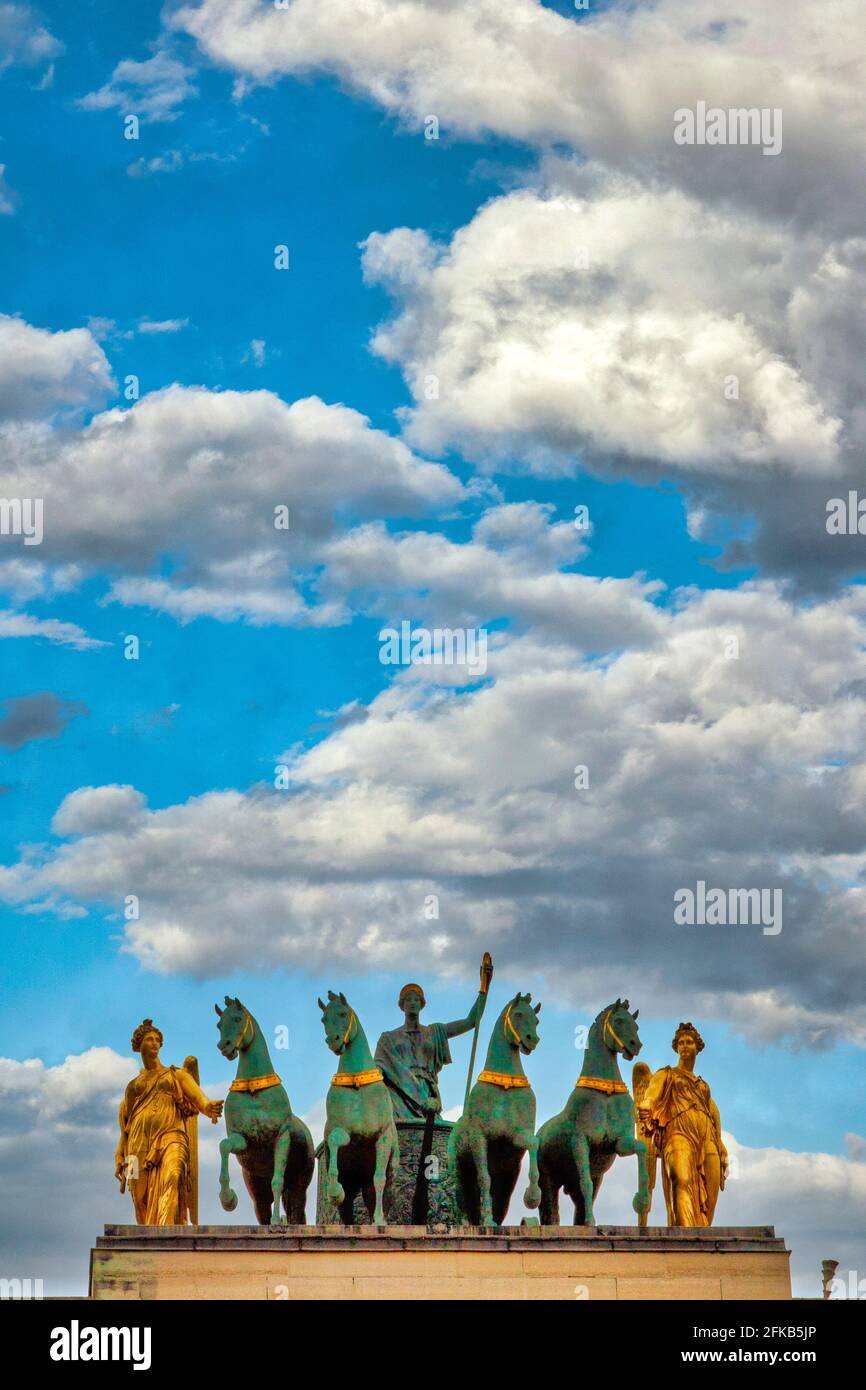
[506, 1024]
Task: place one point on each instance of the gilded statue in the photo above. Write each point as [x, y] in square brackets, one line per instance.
[678, 1111]
[157, 1155]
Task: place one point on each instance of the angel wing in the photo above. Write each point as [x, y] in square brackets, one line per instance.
[190, 1203]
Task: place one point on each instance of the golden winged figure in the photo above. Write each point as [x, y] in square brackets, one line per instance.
[157, 1154]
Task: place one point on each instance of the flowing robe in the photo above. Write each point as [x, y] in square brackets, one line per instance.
[684, 1124]
[152, 1122]
[411, 1063]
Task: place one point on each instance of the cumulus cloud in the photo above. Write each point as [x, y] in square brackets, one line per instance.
[195, 477]
[92, 809]
[517, 69]
[42, 372]
[511, 569]
[591, 322]
[742, 772]
[606, 325]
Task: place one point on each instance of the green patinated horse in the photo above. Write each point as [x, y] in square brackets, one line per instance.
[497, 1128]
[360, 1134]
[577, 1146]
[273, 1147]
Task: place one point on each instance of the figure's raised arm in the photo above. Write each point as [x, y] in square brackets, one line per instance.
[463, 1025]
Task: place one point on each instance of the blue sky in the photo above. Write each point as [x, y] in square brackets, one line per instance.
[313, 160]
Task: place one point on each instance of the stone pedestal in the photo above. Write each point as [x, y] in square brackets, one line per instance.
[400, 1192]
[406, 1263]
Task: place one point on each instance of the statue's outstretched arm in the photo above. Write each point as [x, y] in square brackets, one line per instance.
[212, 1108]
[463, 1025]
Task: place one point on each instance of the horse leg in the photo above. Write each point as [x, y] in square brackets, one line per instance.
[580, 1154]
[233, 1143]
[298, 1173]
[455, 1175]
[478, 1149]
[384, 1150]
[625, 1145]
[299, 1170]
[281, 1154]
[260, 1194]
[346, 1208]
[335, 1141]
[532, 1195]
[549, 1214]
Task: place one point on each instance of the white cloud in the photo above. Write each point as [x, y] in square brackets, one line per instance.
[42, 372]
[196, 475]
[92, 809]
[510, 569]
[152, 90]
[168, 163]
[14, 624]
[744, 772]
[160, 326]
[517, 69]
[599, 321]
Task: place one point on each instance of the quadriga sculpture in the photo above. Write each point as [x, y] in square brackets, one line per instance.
[498, 1125]
[273, 1147]
[360, 1134]
[577, 1146]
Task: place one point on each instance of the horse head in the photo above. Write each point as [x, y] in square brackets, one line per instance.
[338, 1020]
[519, 1021]
[618, 1029]
[235, 1028]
